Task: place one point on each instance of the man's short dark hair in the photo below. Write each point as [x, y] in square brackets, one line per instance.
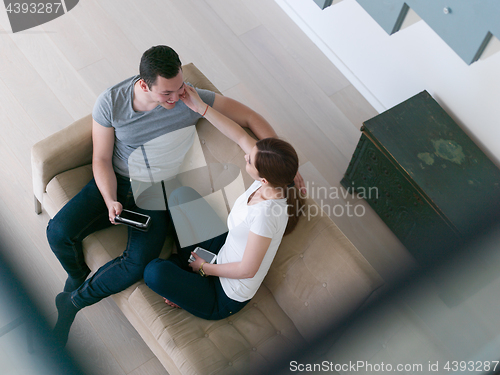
[159, 61]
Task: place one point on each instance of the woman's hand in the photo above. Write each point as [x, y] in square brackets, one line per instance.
[196, 264]
[193, 100]
[299, 183]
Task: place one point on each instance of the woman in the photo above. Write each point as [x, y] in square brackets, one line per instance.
[257, 222]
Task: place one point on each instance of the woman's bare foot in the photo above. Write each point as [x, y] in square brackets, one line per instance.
[171, 304]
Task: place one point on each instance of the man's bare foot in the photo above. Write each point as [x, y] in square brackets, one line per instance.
[171, 304]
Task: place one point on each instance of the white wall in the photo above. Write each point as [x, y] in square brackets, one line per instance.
[389, 69]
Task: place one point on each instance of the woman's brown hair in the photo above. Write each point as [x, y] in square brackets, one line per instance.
[277, 162]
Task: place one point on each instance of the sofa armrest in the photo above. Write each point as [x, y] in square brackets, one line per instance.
[193, 75]
[66, 149]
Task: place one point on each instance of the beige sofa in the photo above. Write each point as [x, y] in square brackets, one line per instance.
[316, 278]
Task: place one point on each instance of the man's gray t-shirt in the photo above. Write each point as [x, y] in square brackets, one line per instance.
[113, 108]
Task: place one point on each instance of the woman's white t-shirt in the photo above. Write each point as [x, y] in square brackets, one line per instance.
[267, 218]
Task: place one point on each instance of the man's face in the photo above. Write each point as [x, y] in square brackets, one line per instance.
[167, 92]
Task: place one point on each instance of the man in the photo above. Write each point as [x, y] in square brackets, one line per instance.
[125, 117]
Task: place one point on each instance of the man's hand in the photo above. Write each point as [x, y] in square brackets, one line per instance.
[114, 209]
[299, 183]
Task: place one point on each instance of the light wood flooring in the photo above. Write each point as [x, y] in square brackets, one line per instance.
[51, 75]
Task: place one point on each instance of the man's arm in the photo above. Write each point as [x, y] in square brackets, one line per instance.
[248, 118]
[103, 140]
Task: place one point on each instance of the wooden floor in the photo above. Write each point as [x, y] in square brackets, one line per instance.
[51, 75]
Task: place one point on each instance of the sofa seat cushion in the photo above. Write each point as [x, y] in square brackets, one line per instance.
[318, 277]
[66, 185]
[250, 339]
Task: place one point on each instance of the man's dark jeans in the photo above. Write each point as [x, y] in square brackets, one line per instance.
[87, 213]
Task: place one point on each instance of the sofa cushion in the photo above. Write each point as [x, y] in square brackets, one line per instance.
[66, 185]
[318, 276]
[68, 148]
[251, 339]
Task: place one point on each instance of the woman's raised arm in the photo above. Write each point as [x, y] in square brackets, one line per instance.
[227, 126]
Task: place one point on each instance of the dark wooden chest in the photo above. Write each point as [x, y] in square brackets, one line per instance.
[424, 177]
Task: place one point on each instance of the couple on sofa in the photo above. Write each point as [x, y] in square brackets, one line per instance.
[126, 117]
